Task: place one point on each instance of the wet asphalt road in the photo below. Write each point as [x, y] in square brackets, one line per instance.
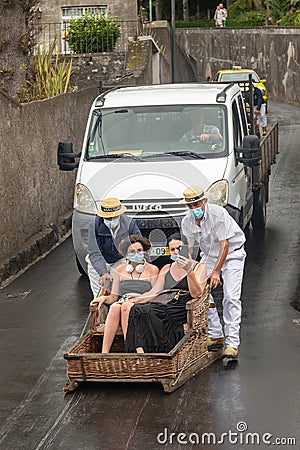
[43, 312]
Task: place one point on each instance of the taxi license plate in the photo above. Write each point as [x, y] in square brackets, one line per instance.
[159, 251]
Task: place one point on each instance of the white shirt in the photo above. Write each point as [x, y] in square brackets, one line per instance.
[221, 14]
[217, 225]
[207, 129]
[114, 230]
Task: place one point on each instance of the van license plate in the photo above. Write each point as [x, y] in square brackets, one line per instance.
[159, 251]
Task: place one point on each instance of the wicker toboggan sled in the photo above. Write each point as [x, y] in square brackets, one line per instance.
[173, 369]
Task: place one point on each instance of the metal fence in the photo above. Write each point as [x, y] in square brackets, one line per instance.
[95, 41]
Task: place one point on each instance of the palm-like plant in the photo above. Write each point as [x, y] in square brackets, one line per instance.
[50, 76]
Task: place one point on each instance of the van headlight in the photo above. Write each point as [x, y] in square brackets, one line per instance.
[83, 200]
[217, 193]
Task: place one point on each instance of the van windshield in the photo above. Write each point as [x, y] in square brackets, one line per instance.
[239, 77]
[152, 132]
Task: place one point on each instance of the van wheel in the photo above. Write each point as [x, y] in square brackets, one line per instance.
[258, 218]
[79, 266]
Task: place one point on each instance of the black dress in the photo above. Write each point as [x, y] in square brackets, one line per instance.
[158, 327]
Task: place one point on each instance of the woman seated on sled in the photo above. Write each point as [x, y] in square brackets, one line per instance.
[136, 276]
[157, 327]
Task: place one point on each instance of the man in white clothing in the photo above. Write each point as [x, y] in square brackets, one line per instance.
[221, 242]
[220, 16]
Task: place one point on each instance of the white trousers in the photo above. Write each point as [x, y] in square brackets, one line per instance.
[232, 277]
[262, 117]
[215, 329]
[94, 276]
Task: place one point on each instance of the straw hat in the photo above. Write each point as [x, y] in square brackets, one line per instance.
[111, 207]
[193, 195]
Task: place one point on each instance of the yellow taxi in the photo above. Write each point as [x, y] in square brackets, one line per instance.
[237, 74]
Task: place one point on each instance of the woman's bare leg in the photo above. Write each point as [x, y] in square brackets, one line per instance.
[140, 350]
[111, 326]
[125, 310]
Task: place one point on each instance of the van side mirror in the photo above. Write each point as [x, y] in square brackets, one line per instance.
[263, 80]
[66, 156]
[250, 152]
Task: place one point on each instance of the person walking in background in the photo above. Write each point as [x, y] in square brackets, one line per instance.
[260, 110]
[220, 16]
[107, 229]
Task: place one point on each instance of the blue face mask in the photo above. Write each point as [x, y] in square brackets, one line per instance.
[197, 213]
[174, 257]
[136, 257]
[111, 223]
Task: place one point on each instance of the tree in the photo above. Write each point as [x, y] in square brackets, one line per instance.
[159, 10]
[185, 9]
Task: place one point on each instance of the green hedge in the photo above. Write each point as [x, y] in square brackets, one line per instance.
[247, 19]
[237, 19]
[92, 34]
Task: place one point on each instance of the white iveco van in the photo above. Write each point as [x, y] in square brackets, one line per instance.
[138, 147]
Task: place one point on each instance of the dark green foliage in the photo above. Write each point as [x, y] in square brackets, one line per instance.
[277, 9]
[247, 19]
[292, 20]
[91, 34]
[241, 13]
[242, 19]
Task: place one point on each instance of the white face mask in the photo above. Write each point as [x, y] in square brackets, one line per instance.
[136, 257]
[111, 224]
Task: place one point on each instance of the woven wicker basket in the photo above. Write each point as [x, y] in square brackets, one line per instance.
[189, 356]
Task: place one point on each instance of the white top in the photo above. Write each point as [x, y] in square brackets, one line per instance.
[221, 14]
[207, 129]
[217, 225]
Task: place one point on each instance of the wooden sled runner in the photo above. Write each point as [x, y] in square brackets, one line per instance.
[190, 355]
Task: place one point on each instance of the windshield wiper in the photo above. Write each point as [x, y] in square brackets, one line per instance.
[179, 153]
[187, 153]
[116, 156]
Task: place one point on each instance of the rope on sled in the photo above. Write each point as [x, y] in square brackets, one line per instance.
[197, 332]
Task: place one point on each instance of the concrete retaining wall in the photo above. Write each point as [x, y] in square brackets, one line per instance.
[185, 69]
[273, 51]
[35, 197]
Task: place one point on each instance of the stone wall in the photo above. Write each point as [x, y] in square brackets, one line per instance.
[51, 11]
[34, 194]
[14, 45]
[88, 70]
[162, 35]
[147, 61]
[273, 51]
